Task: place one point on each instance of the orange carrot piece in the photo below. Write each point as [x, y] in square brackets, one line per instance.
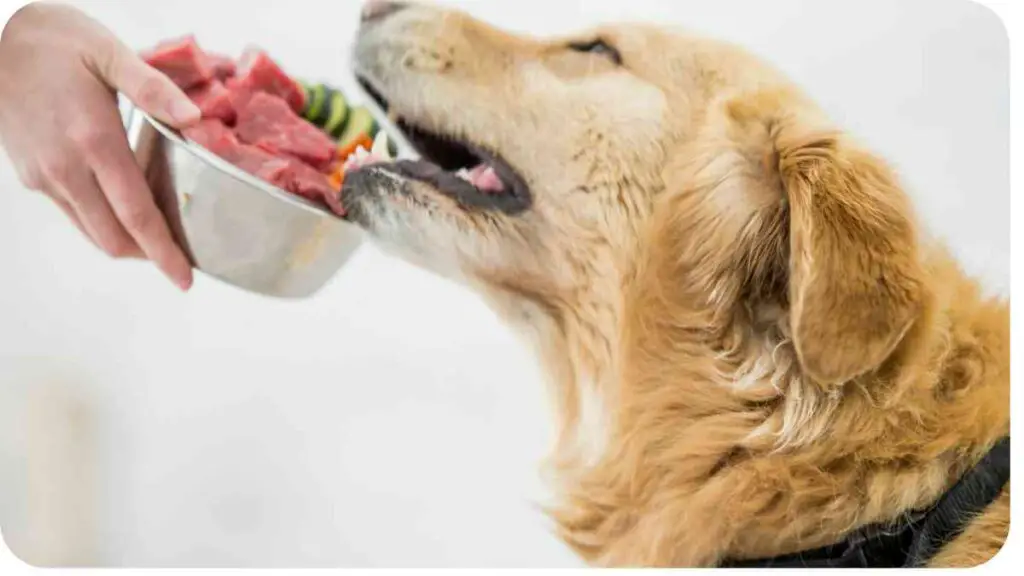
[337, 178]
[363, 140]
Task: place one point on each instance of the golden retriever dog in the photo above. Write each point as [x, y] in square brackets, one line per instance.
[753, 349]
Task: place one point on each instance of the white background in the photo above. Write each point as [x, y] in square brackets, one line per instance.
[392, 421]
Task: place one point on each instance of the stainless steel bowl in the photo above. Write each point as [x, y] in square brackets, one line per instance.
[232, 225]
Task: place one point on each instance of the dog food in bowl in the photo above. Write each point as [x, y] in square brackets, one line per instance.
[267, 123]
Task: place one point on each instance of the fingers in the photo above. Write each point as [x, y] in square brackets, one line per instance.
[72, 216]
[132, 251]
[76, 147]
[75, 191]
[146, 87]
[121, 179]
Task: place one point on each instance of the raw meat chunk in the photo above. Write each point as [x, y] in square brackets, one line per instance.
[307, 181]
[313, 185]
[214, 101]
[213, 135]
[257, 72]
[269, 139]
[267, 121]
[181, 60]
[219, 139]
[261, 164]
[276, 171]
[223, 66]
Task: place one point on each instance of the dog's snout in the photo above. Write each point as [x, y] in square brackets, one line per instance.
[378, 9]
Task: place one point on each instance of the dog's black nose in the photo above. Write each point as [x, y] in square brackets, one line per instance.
[378, 9]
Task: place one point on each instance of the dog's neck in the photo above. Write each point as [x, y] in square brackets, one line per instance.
[688, 437]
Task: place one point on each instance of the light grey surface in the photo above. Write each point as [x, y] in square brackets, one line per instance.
[391, 420]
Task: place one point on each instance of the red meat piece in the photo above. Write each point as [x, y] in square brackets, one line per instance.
[219, 139]
[267, 121]
[270, 141]
[238, 95]
[213, 135]
[262, 164]
[313, 185]
[258, 73]
[182, 60]
[213, 100]
[276, 171]
[289, 174]
[334, 203]
[307, 181]
[223, 66]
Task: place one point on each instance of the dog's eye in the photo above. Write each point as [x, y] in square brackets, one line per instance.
[599, 47]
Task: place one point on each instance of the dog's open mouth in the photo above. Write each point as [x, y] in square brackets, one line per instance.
[475, 178]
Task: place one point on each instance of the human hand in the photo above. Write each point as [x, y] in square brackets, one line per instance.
[60, 125]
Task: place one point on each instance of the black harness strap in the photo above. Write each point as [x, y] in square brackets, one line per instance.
[913, 541]
[969, 497]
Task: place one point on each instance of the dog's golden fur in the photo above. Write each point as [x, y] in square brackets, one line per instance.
[753, 346]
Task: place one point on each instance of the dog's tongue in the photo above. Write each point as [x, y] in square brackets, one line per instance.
[483, 177]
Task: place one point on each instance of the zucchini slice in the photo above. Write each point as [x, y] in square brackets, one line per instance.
[315, 110]
[337, 113]
[326, 108]
[360, 122]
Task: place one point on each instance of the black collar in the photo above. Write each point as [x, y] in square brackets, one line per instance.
[914, 540]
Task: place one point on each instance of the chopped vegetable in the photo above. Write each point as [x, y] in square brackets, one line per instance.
[337, 177]
[347, 150]
[360, 123]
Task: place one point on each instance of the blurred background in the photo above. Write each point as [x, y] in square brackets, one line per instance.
[392, 420]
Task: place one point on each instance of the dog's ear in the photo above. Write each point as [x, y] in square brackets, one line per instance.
[855, 283]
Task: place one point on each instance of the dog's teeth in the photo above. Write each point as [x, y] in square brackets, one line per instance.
[380, 147]
[465, 175]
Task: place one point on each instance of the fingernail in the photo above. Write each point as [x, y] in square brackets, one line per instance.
[184, 283]
[184, 111]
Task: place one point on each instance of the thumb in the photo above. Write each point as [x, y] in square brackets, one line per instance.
[145, 86]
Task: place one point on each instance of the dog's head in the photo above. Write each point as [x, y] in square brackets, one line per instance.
[633, 181]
